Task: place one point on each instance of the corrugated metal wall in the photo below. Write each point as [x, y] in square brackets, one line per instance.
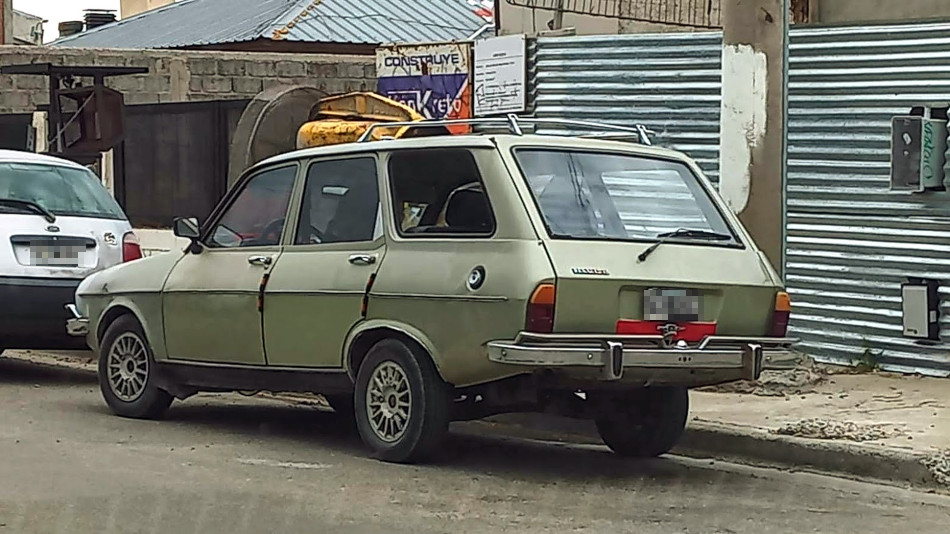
[670, 82]
[851, 242]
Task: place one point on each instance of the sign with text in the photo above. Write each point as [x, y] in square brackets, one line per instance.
[500, 75]
[433, 79]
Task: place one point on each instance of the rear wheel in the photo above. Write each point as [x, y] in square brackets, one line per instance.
[127, 372]
[402, 404]
[645, 423]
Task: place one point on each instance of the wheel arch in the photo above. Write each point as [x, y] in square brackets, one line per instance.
[118, 308]
[362, 337]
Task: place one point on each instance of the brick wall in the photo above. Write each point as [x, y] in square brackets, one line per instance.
[177, 76]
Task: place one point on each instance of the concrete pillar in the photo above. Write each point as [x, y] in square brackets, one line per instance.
[41, 130]
[752, 140]
[6, 22]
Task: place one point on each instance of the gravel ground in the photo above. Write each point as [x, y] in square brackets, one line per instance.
[843, 430]
[939, 465]
[799, 381]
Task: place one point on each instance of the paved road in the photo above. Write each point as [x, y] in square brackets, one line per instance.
[229, 464]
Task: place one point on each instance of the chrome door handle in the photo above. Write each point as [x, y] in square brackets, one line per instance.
[363, 259]
[260, 261]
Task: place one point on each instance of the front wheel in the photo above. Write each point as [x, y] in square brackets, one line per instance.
[127, 372]
[645, 423]
[402, 404]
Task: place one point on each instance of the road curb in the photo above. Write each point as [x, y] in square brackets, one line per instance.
[753, 446]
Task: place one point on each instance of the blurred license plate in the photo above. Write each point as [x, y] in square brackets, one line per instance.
[55, 255]
[675, 305]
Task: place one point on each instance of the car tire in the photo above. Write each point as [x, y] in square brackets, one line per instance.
[401, 403]
[647, 422]
[130, 390]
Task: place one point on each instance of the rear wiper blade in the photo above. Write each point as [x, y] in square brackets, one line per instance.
[682, 232]
[699, 234]
[33, 206]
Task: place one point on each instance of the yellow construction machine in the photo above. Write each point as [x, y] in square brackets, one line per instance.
[288, 118]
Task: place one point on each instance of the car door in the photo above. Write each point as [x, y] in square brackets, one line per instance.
[314, 294]
[210, 300]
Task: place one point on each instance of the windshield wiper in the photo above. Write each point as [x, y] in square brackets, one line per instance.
[682, 232]
[33, 206]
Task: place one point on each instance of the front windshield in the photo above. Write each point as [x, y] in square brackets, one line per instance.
[600, 195]
[65, 191]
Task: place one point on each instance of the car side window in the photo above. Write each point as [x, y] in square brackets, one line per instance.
[439, 192]
[256, 217]
[340, 203]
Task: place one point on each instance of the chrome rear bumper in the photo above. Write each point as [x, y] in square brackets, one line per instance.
[76, 324]
[613, 354]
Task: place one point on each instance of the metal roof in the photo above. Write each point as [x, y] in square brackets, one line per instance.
[205, 22]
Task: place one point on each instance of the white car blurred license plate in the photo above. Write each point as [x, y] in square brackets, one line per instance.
[55, 255]
[675, 305]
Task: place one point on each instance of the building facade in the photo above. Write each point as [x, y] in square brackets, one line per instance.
[583, 17]
[27, 29]
[129, 8]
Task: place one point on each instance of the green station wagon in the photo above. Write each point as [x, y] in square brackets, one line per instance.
[420, 281]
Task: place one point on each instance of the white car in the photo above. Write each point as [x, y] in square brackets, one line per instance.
[58, 224]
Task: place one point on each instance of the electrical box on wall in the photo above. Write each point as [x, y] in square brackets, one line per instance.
[920, 301]
[918, 153]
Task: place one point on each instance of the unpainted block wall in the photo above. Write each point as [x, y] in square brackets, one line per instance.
[181, 76]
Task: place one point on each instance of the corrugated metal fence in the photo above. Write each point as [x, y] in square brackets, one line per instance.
[851, 242]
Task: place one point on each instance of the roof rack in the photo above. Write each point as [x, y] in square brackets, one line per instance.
[514, 125]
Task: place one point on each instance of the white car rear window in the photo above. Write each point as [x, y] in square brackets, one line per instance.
[65, 191]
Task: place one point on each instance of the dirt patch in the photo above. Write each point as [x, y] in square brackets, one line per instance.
[76, 359]
[838, 430]
[939, 465]
[799, 381]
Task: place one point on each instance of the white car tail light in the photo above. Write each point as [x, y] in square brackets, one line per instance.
[131, 249]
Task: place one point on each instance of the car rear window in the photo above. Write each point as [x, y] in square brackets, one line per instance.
[65, 191]
[603, 195]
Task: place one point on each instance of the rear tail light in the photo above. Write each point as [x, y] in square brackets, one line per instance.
[783, 308]
[131, 249]
[540, 315]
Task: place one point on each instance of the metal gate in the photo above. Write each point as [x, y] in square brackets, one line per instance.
[174, 159]
[851, 242]
[15, 131]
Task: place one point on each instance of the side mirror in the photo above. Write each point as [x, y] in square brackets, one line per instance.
[187, 227]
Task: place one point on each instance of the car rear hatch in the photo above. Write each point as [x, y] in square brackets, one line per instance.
[58, 221]
[640, 245]
[705, 290]
[69, 248]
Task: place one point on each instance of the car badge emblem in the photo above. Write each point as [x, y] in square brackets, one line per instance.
[109, 238]
[52, 228]
[590, 271]
[669, 331]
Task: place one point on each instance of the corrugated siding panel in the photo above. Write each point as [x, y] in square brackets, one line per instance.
[851, 242]
[670, 82]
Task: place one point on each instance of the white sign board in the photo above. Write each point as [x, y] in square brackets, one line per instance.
[500, 78]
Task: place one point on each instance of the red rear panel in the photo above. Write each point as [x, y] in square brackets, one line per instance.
[689, 332]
